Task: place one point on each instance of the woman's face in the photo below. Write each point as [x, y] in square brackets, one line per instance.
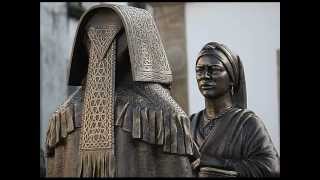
[212, 77]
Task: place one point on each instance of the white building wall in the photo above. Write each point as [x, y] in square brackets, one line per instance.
[253, 31]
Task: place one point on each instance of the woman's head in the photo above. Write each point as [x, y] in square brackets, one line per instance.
[212, 77]
[219, 71]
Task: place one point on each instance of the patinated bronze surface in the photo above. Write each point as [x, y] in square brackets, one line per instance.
[122, 121]
[232, 140]
[42, 164]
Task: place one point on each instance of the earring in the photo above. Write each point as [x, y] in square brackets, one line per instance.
[232, 90]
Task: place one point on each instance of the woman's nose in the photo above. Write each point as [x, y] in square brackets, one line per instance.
[206, 74]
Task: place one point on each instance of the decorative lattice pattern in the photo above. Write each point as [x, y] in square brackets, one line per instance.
[147, 53]
[97, 131]
[205, 129]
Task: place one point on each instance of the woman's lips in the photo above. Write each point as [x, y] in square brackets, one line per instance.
[207, 86]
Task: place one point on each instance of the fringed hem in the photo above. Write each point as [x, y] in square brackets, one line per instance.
[100, 163]
[61, 123]
[171, 130]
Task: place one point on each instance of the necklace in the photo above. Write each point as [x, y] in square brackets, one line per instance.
[219, 115]
[209, 124]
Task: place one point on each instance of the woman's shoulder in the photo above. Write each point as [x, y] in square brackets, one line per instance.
[195, 115]
[249, 118]
[243, 112]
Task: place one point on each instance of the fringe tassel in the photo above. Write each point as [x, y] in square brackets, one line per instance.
[155, 126]
[136, 130]
[61, 122]
[180, 135]
[70, 118]
[187, 136]
[49, 137]
[57, 128]
[159, 128]
[60, 125]
[99, 163]
[64, 124]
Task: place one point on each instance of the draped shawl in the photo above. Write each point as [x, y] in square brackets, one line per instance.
[240, 143]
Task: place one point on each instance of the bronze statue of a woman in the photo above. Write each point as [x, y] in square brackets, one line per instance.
[232, 140]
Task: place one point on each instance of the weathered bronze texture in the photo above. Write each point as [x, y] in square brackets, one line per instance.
[147, 55]
[232, 140]
[122, 122]
[42, 164]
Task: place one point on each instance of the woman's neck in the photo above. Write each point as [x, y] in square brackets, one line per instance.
[218, 105]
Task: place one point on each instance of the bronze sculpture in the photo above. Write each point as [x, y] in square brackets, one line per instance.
[232, 140]
[42, 164]
[122, 121]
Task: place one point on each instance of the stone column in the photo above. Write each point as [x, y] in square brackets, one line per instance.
[170, 20]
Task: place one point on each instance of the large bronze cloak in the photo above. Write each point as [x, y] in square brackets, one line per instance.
[150, 132]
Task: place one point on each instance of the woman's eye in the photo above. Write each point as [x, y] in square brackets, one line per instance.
[216, 70]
